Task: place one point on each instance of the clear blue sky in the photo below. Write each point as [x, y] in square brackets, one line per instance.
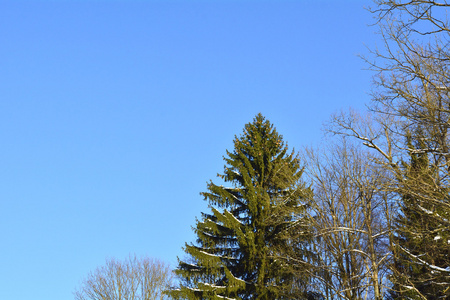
[115, 114]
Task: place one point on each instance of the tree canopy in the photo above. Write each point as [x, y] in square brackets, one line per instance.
[235, 253]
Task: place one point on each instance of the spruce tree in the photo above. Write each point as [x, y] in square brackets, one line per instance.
[421, 239]
[235, 255]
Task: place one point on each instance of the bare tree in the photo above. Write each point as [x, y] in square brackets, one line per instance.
[411, 100]
[349, 213]
[131, 279]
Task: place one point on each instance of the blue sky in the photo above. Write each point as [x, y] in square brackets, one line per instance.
[115, 114]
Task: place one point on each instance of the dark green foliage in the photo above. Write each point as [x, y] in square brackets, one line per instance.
[235, 253]
[421, 251]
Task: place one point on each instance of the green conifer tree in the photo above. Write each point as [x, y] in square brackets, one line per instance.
[235, 256]
[421, 240]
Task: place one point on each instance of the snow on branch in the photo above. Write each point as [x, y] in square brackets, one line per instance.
[421, 261]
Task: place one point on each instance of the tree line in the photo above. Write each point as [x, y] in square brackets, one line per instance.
[364, 217]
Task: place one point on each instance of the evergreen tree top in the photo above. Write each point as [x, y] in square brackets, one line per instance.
[261, 152]
[233, 254]
[259, 135]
